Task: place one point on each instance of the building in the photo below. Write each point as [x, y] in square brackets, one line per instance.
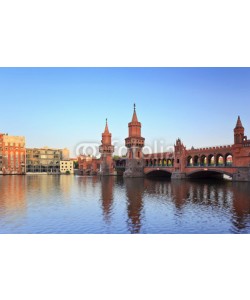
[107, 149]
[45, 160]
[65, 154]
[134, 143]
[88, 165]
[66, 166]
[12, 154]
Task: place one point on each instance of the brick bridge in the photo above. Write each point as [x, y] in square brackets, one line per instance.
[231, 160]
[214, 161]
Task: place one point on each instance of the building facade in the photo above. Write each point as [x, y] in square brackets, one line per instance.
[45, 160]
[66, 166]
[12, 155]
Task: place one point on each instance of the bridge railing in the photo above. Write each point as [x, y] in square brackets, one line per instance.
[228, 165]
[159, 166]
[211, 148]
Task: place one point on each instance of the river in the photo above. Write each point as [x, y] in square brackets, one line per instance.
[112, 205]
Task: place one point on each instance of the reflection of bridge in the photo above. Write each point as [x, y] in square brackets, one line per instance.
[233, 197]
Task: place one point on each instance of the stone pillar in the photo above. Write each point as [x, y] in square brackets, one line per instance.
[243, 174]
[178, 175]
[134, 168]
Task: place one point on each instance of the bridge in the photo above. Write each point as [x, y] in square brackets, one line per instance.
[231, 160]
[214, 162]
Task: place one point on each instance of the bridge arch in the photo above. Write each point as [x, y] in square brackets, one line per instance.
[196, 161]
[170, 162]
[228, 159]
[190, 161]
[211, 160]
[209, 174]
[203, 160]
[158, 173]
[220, 161]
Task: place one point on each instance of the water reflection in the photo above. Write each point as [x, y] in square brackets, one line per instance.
[107, 196]
[69, 204]
[232, 200]
[134, 190]
[13, 193]
[241, 207]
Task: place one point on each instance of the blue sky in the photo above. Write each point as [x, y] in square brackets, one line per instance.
[62, 107]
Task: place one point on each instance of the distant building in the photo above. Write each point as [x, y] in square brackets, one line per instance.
[65, 154]
[45, 160]
[88, 165]
[66, 166]
[12, 154]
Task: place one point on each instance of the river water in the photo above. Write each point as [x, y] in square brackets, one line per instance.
[113, 205]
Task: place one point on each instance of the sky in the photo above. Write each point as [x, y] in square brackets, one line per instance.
[65, 107]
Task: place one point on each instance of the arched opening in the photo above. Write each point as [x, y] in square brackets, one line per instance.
[169, 163]
[208, 175]
[228, 160]
[211, 160]
[159, 162]
[159, 173]
[164, 162]
[196, 161]
[203, 161]
[155, 162]
[219, 160]
[147, 163]
[190, 161]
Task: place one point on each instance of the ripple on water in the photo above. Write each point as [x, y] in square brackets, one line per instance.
[88, 205]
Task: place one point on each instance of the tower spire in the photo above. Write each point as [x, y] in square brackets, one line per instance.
[239, 132]
[134, 119]
[239, 123]
[106, 127]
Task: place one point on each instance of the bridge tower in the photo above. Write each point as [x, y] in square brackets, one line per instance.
[179, 162]
[134, 143]
[239, 132]
[106, 150]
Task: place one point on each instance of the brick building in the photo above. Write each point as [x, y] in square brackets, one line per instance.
[88, 165]
[12, 154]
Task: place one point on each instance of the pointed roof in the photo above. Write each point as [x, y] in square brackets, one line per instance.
[239, 123]
[106, 131]
[134, 119]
